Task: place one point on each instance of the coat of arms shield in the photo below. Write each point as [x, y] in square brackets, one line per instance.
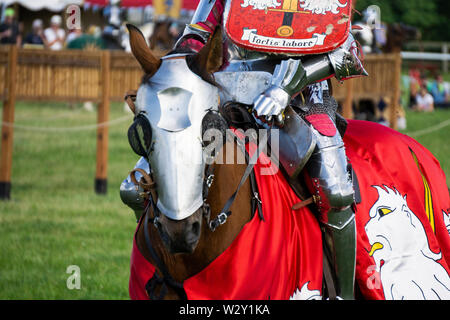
[288, 26]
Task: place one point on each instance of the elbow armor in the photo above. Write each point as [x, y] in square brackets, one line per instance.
[292, 75]
[132, 194]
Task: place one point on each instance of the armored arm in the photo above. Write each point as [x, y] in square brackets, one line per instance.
[293, 75]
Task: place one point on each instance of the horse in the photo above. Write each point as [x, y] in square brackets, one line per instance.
[392, 36]
[246, 238]
[161, 36]
[398, 34]
[384, 39]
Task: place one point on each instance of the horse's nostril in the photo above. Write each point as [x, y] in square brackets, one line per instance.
[196, 228]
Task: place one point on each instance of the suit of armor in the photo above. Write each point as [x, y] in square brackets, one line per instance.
[326, 172]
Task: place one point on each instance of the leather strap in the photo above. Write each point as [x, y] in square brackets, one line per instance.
[166, 280]
[146, 182]
[304, 203]
[225, 212]
[256, 203]
[328, 278]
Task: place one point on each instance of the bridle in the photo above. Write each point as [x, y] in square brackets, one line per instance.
[141, 145]
[147, 184]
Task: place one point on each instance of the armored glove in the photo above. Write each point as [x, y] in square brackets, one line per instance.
[289, 75]
[272, 103]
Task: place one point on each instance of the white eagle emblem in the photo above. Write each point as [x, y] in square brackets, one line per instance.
[261, 4]
[446, 220]
[322, 6]
[397, 237]
[306, 294]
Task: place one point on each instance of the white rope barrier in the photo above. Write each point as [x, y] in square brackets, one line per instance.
[419, 133]
[120, 120]
[69, 129]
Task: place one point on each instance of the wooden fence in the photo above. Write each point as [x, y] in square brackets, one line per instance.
[104, 76]
[69, 76]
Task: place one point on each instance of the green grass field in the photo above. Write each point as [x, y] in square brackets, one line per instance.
[55, 219]
[438, 142]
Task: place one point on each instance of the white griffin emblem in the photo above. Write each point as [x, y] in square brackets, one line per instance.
[397, 237]
[322, 6]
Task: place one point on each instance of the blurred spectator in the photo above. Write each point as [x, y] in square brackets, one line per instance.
[73, 34]
[9, 29]
[440, 92]
[414, 86]
[90, 41]
[424, 100]
[36, 36]
[54, 35]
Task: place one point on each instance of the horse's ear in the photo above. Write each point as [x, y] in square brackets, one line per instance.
[141, 51]
[210, 57]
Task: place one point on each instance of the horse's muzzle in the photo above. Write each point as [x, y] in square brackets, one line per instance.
[180, 236]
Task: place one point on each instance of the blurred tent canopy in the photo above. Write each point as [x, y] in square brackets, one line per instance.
[187, 4]
[59, 5]
[36, 5]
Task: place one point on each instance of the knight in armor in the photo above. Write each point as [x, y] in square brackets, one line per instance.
[113, 31]
[327, 172]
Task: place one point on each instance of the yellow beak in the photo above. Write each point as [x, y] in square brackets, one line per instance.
[376, 246]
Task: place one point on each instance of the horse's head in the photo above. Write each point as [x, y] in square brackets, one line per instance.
[398, 34]
[174, 105]
[405, 32]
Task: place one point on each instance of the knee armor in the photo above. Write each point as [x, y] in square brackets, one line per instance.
[328, 174]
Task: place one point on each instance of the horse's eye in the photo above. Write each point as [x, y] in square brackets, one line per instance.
[140, 135]
[213, 120]
[384, 211]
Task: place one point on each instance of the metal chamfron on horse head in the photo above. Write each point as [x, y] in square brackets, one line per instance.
[170, 107]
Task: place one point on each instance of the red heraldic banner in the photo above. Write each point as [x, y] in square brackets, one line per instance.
[278, 258]
[402, 222]
[288, 26]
